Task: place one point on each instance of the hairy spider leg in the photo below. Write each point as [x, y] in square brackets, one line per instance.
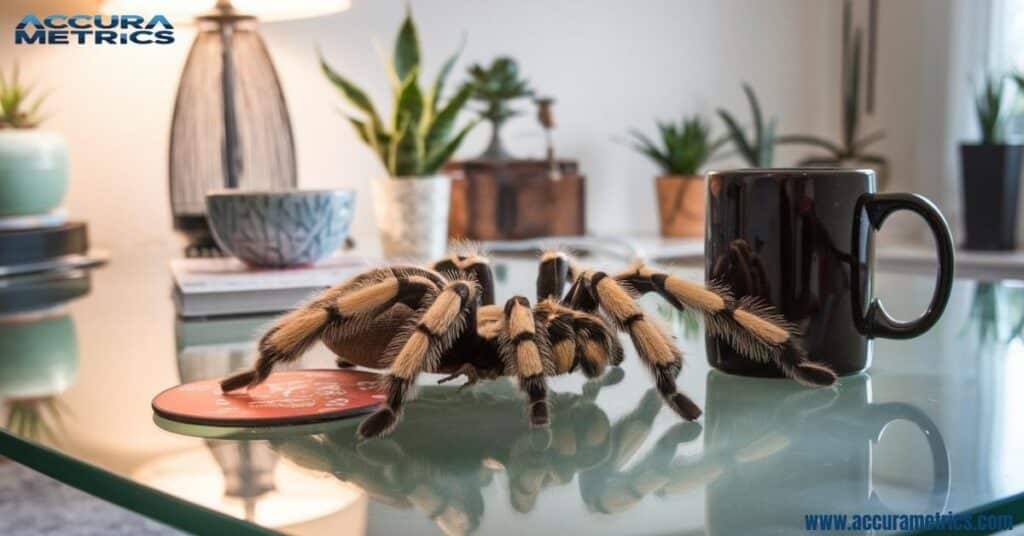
[579, 339]
[751, 327]
[475, 267]
[441, 324]
[579, 336]
[552, 274]
[526, 350]
[653, 345]
[347, 308]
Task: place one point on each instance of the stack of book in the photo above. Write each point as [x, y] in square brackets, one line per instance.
[205, 287]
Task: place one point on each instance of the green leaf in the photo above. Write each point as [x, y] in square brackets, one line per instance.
[353, 93]
[989, 107]
[440, 155]
[441, 127]
[403, 158]
[407, 47]
[755, 111]
[717, 145]
[409, 103]
[766, 151]
[851, 93]
[645, 146]
[360, 128]
[737, 137]
[862, 143]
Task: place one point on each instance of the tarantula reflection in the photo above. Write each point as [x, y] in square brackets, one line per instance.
[443, 319]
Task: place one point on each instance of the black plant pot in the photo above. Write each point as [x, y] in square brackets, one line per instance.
[991, 181]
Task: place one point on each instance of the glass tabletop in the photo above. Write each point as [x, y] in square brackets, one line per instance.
[930, 427]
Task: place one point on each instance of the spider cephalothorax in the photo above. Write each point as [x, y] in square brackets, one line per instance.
[410, 319]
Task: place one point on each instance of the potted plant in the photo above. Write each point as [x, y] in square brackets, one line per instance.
[759, 150]
[496, 86]
[40, 361]
[420, 136]
[683, 150]
[849, 152]
[991, 173]
[33, 162]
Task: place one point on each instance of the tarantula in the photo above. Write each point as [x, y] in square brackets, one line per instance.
[410, 319]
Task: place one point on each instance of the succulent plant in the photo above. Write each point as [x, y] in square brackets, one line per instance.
[682, 149]
[420, 135]
[15, 110]
[759, 151]
[851, 145]
[989, 104]
[495, 87]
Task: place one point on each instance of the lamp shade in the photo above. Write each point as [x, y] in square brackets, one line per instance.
[265, 10]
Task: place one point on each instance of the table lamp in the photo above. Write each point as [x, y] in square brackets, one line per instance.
[230, 127]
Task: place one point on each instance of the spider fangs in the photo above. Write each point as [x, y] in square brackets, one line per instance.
[410, 319]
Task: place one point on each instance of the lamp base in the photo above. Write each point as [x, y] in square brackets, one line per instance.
[196, 230]
[230, 127]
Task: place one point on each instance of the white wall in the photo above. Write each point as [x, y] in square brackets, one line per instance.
[611, 64]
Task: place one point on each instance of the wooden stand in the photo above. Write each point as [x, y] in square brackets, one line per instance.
[515, 199]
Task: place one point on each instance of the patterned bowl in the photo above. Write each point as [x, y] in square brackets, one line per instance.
[278, 229]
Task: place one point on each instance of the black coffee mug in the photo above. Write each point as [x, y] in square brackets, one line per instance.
[802, 240]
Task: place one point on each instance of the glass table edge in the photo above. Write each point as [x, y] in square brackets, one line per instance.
[124, 492]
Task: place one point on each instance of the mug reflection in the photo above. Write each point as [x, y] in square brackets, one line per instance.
[783, 451]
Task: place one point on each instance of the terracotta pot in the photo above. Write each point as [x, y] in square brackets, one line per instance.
[681, 205]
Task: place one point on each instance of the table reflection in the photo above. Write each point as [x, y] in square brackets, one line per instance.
[38, 351]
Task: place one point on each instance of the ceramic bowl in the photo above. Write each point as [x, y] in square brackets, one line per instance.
[280, 229]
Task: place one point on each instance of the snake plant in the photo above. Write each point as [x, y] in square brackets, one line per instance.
[989, 105]
[15, 110]
[759, 150]
[681, 149]
[495, 86]
[851, 146]
[421, 135]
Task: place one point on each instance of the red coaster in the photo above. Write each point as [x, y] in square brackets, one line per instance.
[287, 397]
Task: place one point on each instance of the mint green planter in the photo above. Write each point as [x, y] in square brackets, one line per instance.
[38, 357]
[33, 171]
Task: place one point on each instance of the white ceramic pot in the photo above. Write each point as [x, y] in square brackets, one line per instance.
[412, 215]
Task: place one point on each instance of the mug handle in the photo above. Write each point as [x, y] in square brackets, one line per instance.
[871, 211]
[880, 415]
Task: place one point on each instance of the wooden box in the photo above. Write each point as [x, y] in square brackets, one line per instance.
[515, 199]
